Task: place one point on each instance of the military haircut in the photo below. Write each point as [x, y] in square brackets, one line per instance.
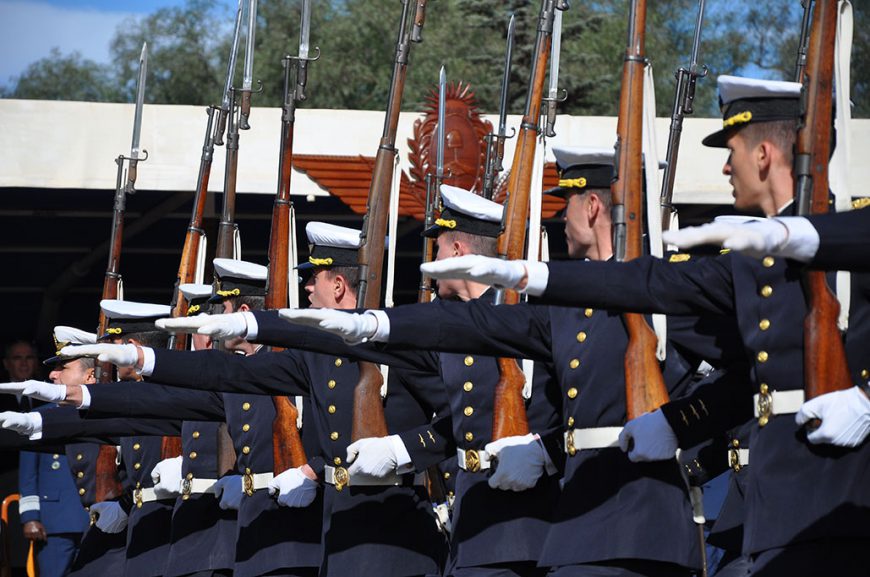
[350, 274]
[476, 243]
[781, 133]
[153, 339]
[255, 303]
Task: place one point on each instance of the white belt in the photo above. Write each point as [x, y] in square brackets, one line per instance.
[738, 458]
[146, 495]
[339, 477]
[596, 438]
[197, 486]
[768, 404]
[255, 482]
[473, 460]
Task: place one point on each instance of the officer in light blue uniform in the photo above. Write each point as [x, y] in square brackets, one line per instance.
[49, 498]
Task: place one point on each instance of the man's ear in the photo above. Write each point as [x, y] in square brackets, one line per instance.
[242, 308]
[764, 153]
[90, 377]
[129, 341]
[458, 248]
[339, 287]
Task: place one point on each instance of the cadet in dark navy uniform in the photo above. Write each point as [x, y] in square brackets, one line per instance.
[495, 531]
[603, 492]
[371, 526]
[807, 505]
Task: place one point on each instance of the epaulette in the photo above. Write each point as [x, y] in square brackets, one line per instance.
[679, 257]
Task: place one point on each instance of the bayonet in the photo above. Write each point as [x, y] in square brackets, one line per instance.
[495, 140]
[553, 95]
[684, 99]
[248, 75]
[226, 97]
[130, 187]
[801, 63]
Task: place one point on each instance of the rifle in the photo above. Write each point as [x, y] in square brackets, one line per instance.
[248, 75]
[368, 417]
[825, 364]
[495, 140]
[288, 452]
[509, 412]
[226, 247]
[801, 61]
[190, 253]
[107, 483]
[433, 188]
[644, 386]
[226, 95]
[684, 104]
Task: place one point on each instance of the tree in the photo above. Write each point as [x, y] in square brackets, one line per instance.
[59, 77]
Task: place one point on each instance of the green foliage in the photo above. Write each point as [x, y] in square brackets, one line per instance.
[189, 47]
[60, 77]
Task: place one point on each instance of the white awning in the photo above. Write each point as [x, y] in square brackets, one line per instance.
[49, 144]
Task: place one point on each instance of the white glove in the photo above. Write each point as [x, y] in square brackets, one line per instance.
[521, 462]
[39, 390]
[651, 436]
[111, 518]
[167, 478]
[119, 355]
[216, 326]
[483, 269]
[229, 490]
[755, 238]
[845, 417]
[294, 488]
[27, 424]
[374, 456]
[354, 328]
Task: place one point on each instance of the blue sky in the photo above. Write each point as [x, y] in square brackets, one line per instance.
[30, 28]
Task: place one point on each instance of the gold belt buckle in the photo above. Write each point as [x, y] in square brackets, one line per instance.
[765, 404]
[137, 496]
[472, 461]
[341, 478]
[248, 484]
[734, 455]
[186, 488]
[569, 443]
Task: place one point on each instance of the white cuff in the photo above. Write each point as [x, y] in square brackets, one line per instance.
[253, 327]
[802, 242]
[148, 362]
[28, 503]
[37, 426]
[86, 399]
[538, 276]
[403, 459]
[382, 334]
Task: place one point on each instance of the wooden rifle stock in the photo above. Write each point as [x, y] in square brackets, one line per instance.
[190, 251]
[645, 388]
[107, 484]
[287, 449]
[825, 367]
[225, 248]
[368, 410]
[509, 411]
